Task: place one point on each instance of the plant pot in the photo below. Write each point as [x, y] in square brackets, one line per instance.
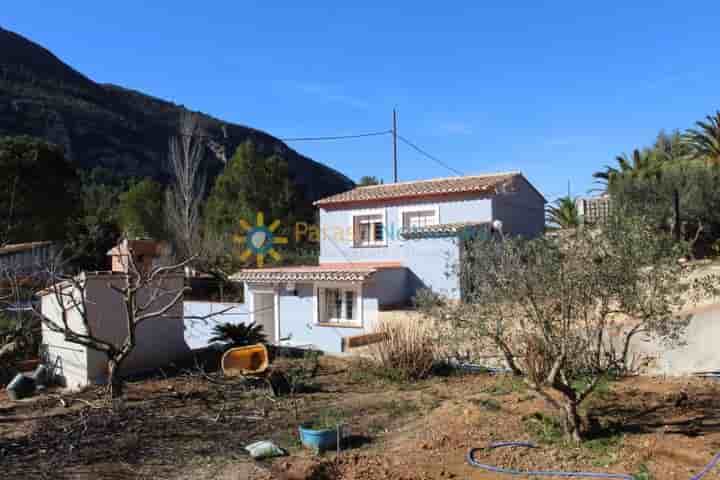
[319, 440]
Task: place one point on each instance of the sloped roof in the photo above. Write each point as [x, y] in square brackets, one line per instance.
[489, 184]
[22, 247]
[342, 272]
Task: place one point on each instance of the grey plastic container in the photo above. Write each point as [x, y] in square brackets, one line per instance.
[20, 387]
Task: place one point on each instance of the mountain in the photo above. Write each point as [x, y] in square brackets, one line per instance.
[121, 129]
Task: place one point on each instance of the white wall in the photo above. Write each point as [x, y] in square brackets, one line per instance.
[198, 332]
[336, 243]
[700, 352]
[70, 360]
[159, 341]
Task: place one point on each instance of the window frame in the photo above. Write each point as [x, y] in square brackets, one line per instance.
[382, 213]
[402, 211]
[320, 317]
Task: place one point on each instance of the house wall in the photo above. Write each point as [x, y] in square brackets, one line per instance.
[388, 286]
[69, 360]
[297, 327]
[336, 242]
[160, 340]
[198, 332]
[521, 210]
[429, 260]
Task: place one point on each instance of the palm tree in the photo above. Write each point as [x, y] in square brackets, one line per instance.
[641, 164]
[564, 213]
[238, 335]
[704, 142]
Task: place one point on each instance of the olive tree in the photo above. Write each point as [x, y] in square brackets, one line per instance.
[563, 310]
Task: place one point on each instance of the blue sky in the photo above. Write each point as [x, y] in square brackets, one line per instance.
[555, 89]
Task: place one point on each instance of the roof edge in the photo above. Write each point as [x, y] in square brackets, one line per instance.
[327, 201]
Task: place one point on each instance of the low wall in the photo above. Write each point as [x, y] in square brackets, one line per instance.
[201, 317]
[701, 351]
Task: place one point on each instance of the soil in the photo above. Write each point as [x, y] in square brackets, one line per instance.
[193, 425]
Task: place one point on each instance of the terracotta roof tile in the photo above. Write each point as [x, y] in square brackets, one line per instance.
[344, 272]
[442, 229]
[481, 184]
[22, 247]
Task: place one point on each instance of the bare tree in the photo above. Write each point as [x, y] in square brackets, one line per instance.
[17, 286]
[9, 293]
[186, 154]
[146, 294]
[73, 304]
[562, 312]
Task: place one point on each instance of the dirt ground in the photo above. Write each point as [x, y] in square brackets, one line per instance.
[194, 426]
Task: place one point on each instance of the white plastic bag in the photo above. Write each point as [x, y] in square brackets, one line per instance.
[264, 449]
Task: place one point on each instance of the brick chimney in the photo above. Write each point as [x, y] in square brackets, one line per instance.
[145, 253]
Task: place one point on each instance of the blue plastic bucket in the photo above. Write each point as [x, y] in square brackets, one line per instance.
[319, 440]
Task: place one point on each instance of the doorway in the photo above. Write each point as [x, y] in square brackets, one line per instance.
[263, 313]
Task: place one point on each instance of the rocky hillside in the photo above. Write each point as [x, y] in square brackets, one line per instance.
[125, 130]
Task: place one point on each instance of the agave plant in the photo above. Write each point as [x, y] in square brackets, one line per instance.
[239, 334]
[564, 213]
[704, 141]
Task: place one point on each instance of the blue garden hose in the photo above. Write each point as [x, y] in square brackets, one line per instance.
[553, 473]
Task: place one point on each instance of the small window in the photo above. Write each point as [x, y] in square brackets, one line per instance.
[349, 305]
[378, 232]
[369, 230]
[333, 303]
[419, 219]
[337, 305]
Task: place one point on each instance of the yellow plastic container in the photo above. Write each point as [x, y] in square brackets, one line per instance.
[252, 360]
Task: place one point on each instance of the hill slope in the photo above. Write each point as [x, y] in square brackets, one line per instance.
[110, 126]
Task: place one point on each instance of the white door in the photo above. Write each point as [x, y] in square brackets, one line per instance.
[264, 313]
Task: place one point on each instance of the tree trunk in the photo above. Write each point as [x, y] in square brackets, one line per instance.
[572, 421]
[115, 383]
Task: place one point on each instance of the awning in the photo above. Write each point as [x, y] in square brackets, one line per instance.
[443, 229]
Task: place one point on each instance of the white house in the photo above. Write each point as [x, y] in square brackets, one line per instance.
[379, 245]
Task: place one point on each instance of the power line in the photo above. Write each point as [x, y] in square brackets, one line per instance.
[337, 137]
[431, 157]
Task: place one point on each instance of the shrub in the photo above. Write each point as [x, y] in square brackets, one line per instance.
[238, 334]
[406, 352]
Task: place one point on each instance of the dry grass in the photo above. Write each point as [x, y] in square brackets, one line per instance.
[407, 351]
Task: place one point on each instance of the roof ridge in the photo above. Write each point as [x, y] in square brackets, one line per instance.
[440, 179]
[482, 183]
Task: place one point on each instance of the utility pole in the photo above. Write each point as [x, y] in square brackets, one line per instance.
[395, 156]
